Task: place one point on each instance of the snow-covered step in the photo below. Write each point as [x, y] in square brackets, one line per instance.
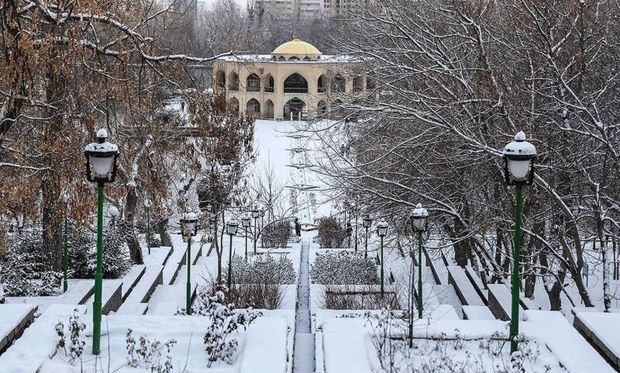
[111, 298]
[199, 275]
[173, 264]
[14, 318]
[173, 294]
[600, 329]
[265, 347]
[500, 302]
[476, 281]
[477, 313]
[463, 287]
[158, 256]
[153, 276]
[438, 269]
[131, 278]
[133, 309]
[78, 292]
[38, 341]
[573, 351]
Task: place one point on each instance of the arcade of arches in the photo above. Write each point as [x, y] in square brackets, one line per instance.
[295, 82]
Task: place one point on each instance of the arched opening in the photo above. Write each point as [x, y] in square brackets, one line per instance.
[295, 83]
[233, 82]
[338, 84]
[253, 83]
[322, 84]
[269, 83]
[295, 109]
[358, 84]
[233, 106]
[294, 58]
[220, 79]
[321, 109]
[307, 58]
[281, 58]
[269, 112]
[337, 111]
[253, 108]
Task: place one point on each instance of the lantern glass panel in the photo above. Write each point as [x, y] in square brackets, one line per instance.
[101, 166]
[419, 223]
[519, 169]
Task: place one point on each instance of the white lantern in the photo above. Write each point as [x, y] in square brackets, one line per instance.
[419, 216]
[518, 161]
[101, 159]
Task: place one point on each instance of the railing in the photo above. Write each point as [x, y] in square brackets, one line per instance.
[295, 90]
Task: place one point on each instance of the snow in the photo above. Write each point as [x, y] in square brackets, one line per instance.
[158, 255]
[131, 278]
[567, 344]
[604, 326]
[345, 346]
[265, 347]
[477, 313]
[303, 358]
[11, 316]
[38, 341]
[464, 288]
[140, 293]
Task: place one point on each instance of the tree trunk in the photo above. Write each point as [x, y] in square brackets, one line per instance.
[51, 221]
[131, 237]
[164, 236]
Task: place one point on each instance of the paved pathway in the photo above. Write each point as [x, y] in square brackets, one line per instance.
[303, 355]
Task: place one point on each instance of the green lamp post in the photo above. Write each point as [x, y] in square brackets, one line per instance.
[255, 215]
[366, 223]
[231, 229]
[519, 158]
[382, 229]
[189, 228]
[147, 206]
[101, 158]
[245, 223]
[419, 216]
[65, 248]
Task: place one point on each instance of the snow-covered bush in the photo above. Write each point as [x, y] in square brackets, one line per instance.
[346, 297]
[146, 353]
[277, 234]
[453, 352]
[71, 341]
[264, 269]
[82, 251]
[330, 233]
[24, 271]
[258, 283]
[343, 268]
[224, 322]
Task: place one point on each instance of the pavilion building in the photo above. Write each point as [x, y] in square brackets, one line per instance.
[295, 82]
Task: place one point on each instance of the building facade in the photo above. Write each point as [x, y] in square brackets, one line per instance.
[294, 82]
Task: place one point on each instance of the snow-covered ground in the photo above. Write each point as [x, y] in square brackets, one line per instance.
[301, 336]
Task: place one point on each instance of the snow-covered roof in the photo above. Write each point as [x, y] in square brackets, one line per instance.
[267, 58]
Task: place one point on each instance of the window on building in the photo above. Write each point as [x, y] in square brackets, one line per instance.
[269, 83]
[253, 83]
[295, 83]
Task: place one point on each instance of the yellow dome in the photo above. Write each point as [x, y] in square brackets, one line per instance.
[297, 48]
